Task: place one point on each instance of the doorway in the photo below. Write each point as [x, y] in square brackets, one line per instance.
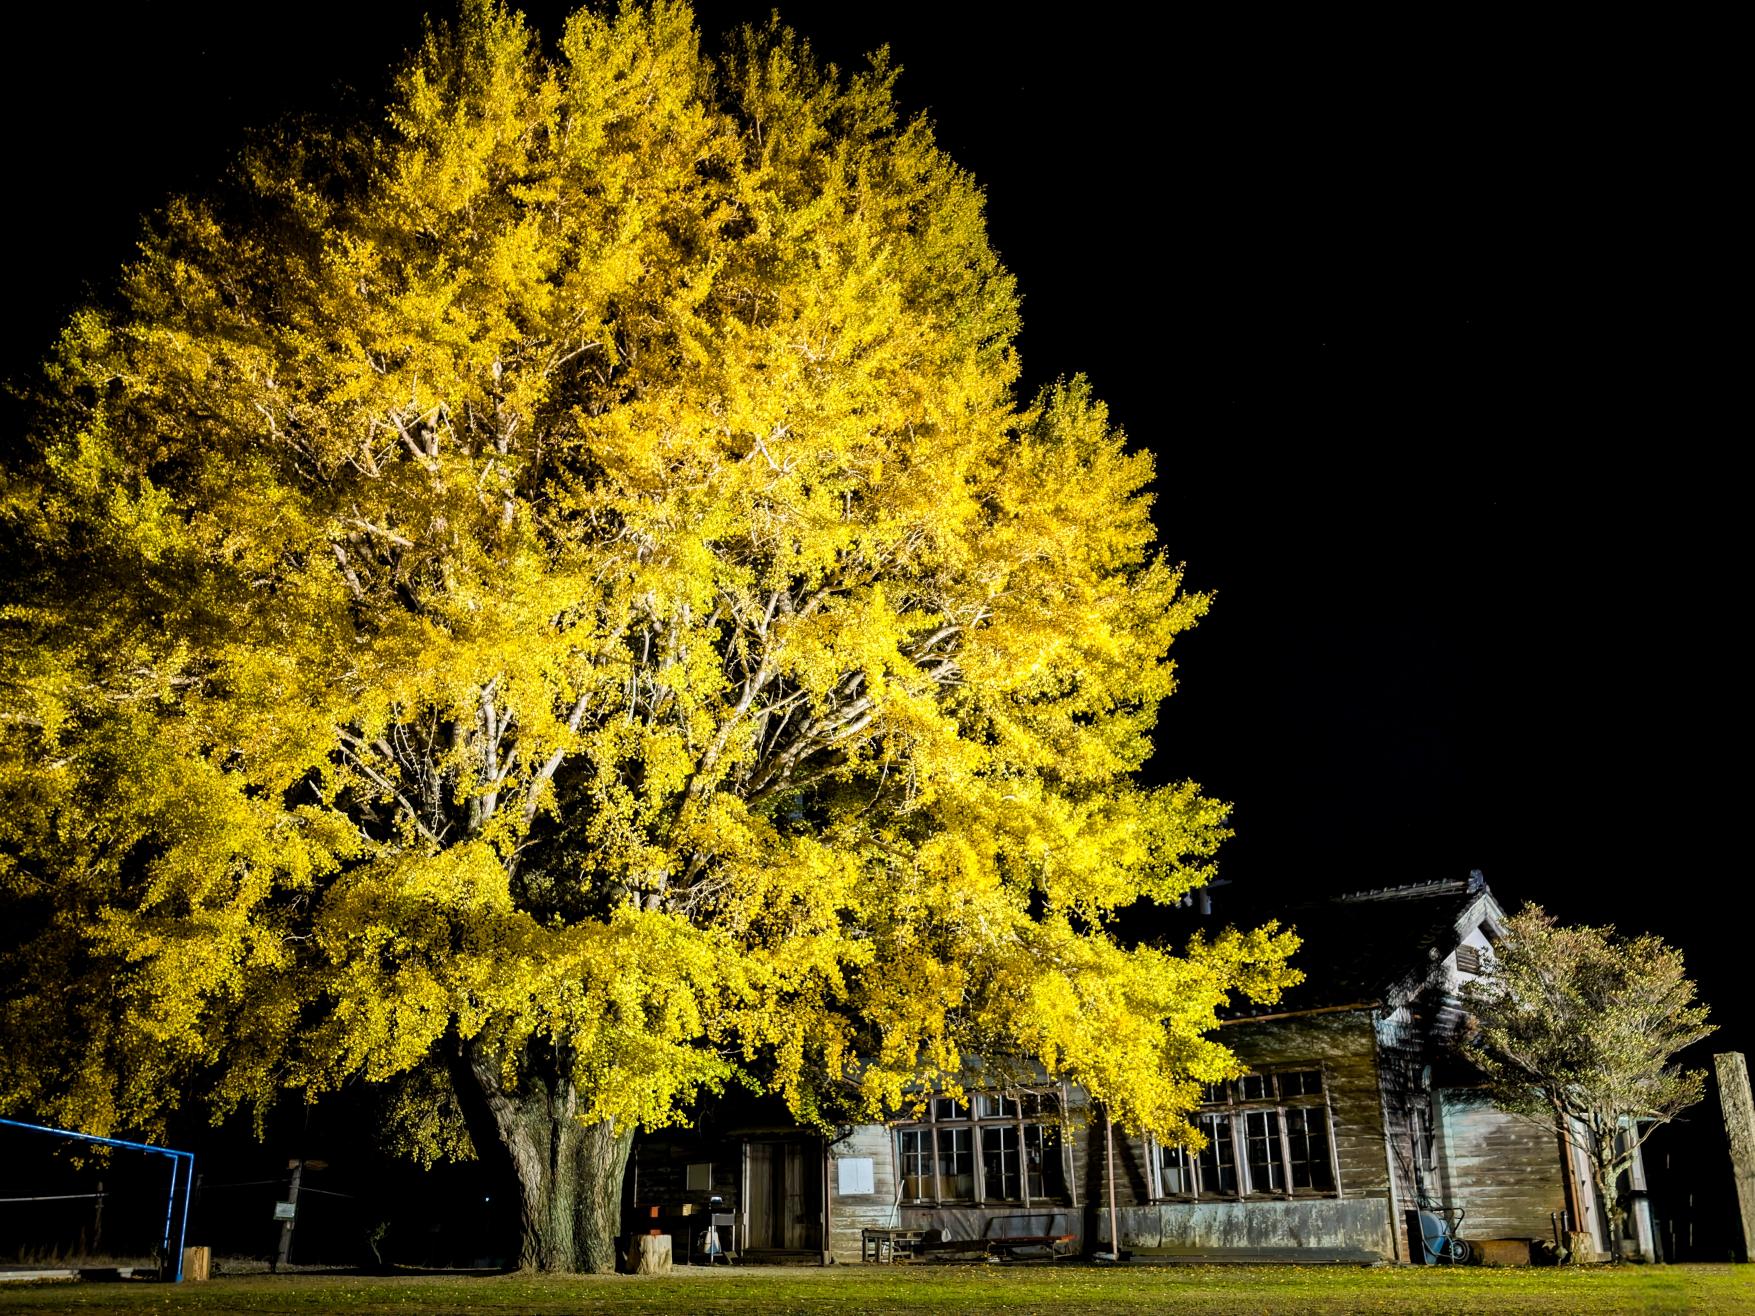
[783, 1196]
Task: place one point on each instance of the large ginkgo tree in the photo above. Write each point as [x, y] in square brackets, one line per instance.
[551, 599]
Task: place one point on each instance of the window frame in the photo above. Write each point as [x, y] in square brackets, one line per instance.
[1051, 1105]
[1226, 1101]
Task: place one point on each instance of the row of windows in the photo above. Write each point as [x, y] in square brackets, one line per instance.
[1266, 1134]
[1017, 1139]
[1255, 1151]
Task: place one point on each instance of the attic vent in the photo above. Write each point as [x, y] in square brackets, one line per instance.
[1468, 959]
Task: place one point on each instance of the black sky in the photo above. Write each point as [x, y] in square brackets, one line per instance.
[1431, 325]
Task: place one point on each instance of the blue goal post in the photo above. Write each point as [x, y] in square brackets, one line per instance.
[182, 1175]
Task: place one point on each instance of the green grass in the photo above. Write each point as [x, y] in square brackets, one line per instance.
[973, 1289]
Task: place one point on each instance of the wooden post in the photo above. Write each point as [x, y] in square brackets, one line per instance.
[1109, 1156]
[1738, 1108]
[286, 1226]
[1069, 1161]
[197, 1263]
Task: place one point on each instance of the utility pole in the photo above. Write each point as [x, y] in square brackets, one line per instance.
[287, 1218]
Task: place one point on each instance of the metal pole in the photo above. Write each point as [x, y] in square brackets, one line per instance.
[183, 1230]
[170, 1211]
[176, 1158]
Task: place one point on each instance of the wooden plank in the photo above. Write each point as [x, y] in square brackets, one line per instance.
[1504, 1170]
[792, 1221]
[764, 1230]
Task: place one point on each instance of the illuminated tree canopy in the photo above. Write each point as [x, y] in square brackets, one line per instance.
[552, 600]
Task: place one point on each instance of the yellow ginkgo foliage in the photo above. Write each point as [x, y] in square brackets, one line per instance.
[551, 601]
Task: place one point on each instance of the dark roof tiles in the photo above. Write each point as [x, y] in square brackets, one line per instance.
[1365, 945]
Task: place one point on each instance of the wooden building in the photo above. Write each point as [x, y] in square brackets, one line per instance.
[1357, 1115]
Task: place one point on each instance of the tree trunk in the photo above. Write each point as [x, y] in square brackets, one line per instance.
[1603, 1173]
[569, 1172]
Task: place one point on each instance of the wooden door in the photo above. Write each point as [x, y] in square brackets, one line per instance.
[784, 1195]
[793, 1207]
[763, 1230]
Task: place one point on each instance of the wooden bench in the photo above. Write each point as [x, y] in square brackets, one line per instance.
[889, 1245]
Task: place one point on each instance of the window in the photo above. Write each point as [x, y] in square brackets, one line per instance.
[1267, 1136]
[1218, 1159]
[1307, 1159]
[1175, 1173]
[1425, 1136]
[919, 1177]
[1261, 1134]
[999, 1161]
[994, 1147]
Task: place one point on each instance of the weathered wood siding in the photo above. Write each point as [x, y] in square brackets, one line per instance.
[1402, 1056]
[1504, 1170]
[875, 1210]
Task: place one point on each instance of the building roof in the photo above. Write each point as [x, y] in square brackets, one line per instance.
[1368, 947]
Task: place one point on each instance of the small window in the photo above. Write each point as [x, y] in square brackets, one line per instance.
[956, 1165]
[1425, 1136]
[1307, 1148]
[1469, 959]
[999, 1161]
[1218, 1159]
[1042, 1161]
[1256, 1087]
[1175, 1172]
[918, 1183]
[991, 1107]
[949, 1108]
[1301, 1083]
[1212, 1094]
[1261, 1133]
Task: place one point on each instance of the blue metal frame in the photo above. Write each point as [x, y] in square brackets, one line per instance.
[182, 1165]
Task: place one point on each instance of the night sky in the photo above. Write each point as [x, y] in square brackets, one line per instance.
[1430, 327]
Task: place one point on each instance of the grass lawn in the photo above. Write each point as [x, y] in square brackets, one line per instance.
[1057, 1289]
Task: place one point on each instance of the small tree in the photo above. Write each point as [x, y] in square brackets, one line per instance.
[1580, 1025]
